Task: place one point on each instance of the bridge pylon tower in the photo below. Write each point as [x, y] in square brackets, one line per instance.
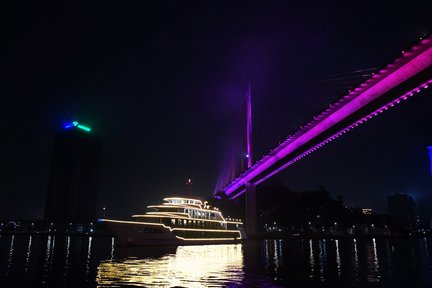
[251, 209]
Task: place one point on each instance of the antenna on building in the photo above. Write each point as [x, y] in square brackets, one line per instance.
[188, 187]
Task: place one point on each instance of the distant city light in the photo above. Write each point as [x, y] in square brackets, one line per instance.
[366, 211]
[76, 124]
[85, 128]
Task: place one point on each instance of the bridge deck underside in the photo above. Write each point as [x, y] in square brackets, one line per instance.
[389, 98]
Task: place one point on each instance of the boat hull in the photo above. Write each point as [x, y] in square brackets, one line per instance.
[128, 233]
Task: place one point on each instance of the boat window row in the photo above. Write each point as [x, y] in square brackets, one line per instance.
[198, 224]
[185, 201]
[148, 230]
[201, 214]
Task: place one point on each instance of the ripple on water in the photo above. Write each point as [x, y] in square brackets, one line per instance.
[190, 266]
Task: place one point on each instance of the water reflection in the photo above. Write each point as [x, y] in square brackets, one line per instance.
[322, 258]
[276, 256]
[112, 248]
[372, 262]
[48, 253]
[266, 251]
[311, 259]
[47, 262]
[63, 261]
[27, 261]
[11, 251]
[88, 255]
[190, 266]
[355, 259]
[426, 252]
[375, 256]
[338, 259]
[66, 266]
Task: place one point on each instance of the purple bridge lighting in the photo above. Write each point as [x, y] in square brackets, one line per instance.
[401, 79]
[249, 127]
[430, 158]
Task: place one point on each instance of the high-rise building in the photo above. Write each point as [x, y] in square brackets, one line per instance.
[403, 211]
[73, 176]
[367, 211]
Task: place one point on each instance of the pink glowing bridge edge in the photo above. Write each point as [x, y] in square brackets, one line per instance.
[410, 64]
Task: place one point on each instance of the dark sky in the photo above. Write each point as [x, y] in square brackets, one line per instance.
[162, 83]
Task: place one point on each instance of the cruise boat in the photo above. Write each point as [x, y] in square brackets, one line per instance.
[177, 221]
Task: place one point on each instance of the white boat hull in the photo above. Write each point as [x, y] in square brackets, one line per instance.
[128, 233]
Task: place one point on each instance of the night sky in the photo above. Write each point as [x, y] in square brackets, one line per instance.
[162, 84]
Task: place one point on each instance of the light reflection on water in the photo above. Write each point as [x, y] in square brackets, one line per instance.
[338, 259]
[67, 261]
[311, 259]
[11, 251]
[28, 254]
[322, 258]
[66, 265]
[190, 266]
[88, 255]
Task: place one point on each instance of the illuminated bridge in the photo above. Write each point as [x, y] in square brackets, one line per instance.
[401, 79]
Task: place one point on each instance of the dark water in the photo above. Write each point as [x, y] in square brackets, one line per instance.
[47, 261]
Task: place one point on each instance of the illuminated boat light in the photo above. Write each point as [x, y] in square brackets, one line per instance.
[188, 218]
[177, 229]
[209, 239]
[184, 206]
[179, 220]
